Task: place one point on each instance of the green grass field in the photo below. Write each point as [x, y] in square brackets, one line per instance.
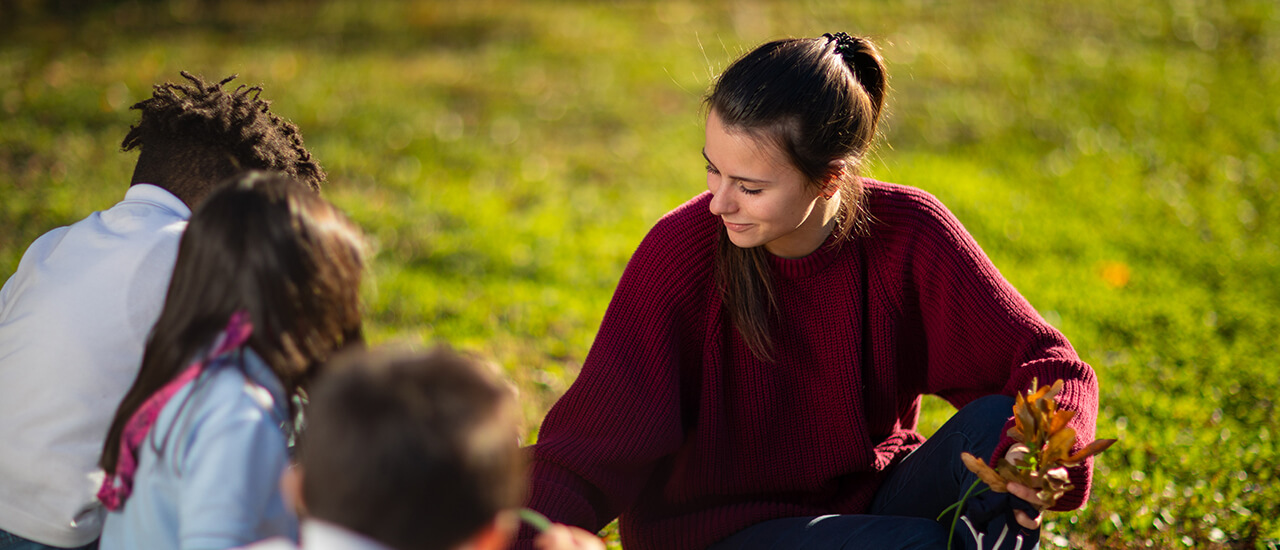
[1117, 160]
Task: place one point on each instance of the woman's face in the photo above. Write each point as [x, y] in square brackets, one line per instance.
[760, 196]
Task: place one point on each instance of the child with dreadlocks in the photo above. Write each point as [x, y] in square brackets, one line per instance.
[75, 314]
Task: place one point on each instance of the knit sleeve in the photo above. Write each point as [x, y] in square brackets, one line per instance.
[600, 443]
[983, 337]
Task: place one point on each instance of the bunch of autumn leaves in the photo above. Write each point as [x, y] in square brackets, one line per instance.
[1042, 454]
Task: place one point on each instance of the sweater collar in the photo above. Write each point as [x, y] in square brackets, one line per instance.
[804, 266]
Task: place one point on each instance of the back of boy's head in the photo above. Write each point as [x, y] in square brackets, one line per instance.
[193, 136]
[417, 451]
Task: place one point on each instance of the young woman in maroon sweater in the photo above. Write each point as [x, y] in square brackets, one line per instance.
[756, 380]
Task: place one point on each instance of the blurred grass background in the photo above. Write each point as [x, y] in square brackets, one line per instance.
[1117, 160]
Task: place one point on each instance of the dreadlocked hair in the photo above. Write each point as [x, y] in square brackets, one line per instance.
[192, 136]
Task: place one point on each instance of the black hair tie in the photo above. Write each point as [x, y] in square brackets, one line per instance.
[846, 45]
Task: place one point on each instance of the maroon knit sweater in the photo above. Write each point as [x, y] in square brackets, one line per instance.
[674, 425]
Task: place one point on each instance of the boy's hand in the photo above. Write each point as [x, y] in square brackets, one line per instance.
[567, 537]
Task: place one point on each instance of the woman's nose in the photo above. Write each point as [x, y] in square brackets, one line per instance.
[721, 203]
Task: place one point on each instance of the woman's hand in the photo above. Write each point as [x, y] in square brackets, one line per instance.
[567, 537]
[1023, 492]
[1028, 494]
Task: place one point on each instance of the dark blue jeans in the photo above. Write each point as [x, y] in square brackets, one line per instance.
[10, 541]
[903, 514]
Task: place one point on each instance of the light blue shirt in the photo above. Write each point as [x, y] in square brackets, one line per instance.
[209, 471]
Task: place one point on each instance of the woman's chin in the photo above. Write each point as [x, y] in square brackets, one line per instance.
[743, 241]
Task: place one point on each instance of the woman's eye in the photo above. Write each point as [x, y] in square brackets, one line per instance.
[749, 191]
[712, 169]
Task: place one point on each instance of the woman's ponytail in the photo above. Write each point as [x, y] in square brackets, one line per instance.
[864, 61]
[868, 66]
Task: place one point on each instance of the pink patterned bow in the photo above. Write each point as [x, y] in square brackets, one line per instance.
[113, 494]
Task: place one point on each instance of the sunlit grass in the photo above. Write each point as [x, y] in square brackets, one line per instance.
[1116, 160]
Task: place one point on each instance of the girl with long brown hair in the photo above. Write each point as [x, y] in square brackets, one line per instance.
[264, 290]
[756, 380]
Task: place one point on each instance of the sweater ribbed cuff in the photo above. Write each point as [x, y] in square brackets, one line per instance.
[558, 494]
[1079, 393]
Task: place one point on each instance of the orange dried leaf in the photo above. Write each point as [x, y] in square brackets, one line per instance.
[1015, 434]
[1060, 420]
[1054, 390]
[984, 472]
[1035, 395]
[1025, 420]
[1011, 473]
[1043, 392]
[1088, 451]
[1045, 409]
[1059, 446]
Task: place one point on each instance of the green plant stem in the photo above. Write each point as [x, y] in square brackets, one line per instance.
[958, 506]
[538, 521]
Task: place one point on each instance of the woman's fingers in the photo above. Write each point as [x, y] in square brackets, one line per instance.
[1028, 494]
[1026, 520]
[567, 537]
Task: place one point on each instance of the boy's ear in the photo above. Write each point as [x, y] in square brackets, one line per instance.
[291, 488]
[495, 535]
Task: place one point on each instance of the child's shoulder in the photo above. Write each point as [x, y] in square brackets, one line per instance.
[226, 412]
[239, 386]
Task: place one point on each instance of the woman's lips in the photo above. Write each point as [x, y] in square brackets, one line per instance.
[736, 227]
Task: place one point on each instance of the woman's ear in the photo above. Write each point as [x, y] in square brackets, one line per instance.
[291, 488]
[834, 173]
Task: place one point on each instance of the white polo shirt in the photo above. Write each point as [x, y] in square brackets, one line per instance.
[320, 535]
[73, 321]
